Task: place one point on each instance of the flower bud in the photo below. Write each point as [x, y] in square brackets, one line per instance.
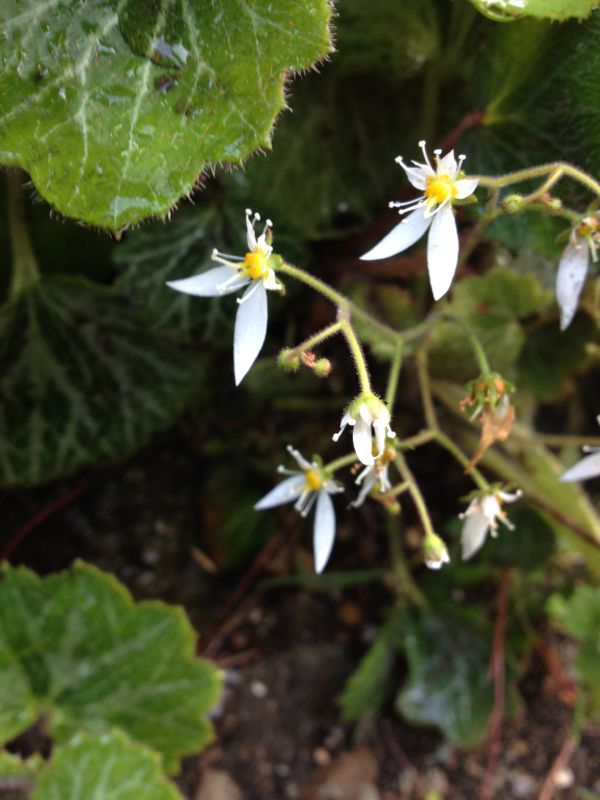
[513, 203]
[435, 553]
[288, 360]
[322, 367]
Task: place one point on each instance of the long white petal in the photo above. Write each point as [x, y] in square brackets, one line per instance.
[399, 238]
[465, 187]
[324, 530]
[285, 492]
[588, 467]
[570, 277]
[205, 284]
[442, 251]
[250, 330]
[473, 534]
[363, 441]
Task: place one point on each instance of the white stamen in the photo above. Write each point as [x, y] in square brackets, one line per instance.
[247, 296]
[422, 144]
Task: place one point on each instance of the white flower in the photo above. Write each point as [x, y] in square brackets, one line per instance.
[308, 486]
[573, 267]
[435, 552]
[440, 186]
[252, 272]
[375, 473]
[480, 518]
[588, 467]
[365, 412]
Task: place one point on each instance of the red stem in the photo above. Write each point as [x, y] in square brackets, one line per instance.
[41, 516]
[497, 670]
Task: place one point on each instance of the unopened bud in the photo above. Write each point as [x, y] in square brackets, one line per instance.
[322, 367]
[435, 553]
[513, 203]
[288, 360]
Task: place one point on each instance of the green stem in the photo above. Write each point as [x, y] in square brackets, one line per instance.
[397, 490]
[529, 173]
[342, 461]
[390, 392]
[458, 454]
[405, 585]
[425, 388]
[355, 312]
[415, 493]
[25, 268]
[316, 339]
[359, 357]
[491, 213]
[484, 366]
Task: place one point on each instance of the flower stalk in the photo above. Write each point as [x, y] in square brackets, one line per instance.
[25, 267]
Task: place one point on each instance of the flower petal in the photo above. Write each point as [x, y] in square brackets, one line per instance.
[588, 467]
[363, 441]
[570, 277]
[323, 530]
[399, 238]
[473, 534]
[250, 329]
[465, 187]
[416, 175]
[285, 492]
[447, 165]
[206, 283]
[442, 251]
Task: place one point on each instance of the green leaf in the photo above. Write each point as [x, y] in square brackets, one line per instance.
[448, 684]
[76, 649]
[107, 767]
[82, 381]
[12, 766]
[159, 253]
[528, 546]
[549, 9]
[367, 688]
[550, 357]
[493, 304]
[537, 84]
[579, 615]
[115, 108]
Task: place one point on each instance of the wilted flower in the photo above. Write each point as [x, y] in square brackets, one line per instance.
[254, 271]
[489, 398]
[573, 267]
[308, 486]
[375, 473]
[441, 187]
[480, 518]
[367, 412]
[435, 552]
[588, 467]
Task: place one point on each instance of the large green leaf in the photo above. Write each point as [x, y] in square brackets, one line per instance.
[159, 253]
[115, 106]
[107, 767]
[76, 649]
[82, 380]
[448, 684]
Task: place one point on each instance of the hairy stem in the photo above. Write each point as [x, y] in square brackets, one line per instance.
[392, 386]
[25, 268]
[565, 169]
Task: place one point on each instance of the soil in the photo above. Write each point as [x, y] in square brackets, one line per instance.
[285, 652]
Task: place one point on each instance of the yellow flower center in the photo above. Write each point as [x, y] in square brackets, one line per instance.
[254, 264]
[313, 480]
[439, 188]
[588, 226]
